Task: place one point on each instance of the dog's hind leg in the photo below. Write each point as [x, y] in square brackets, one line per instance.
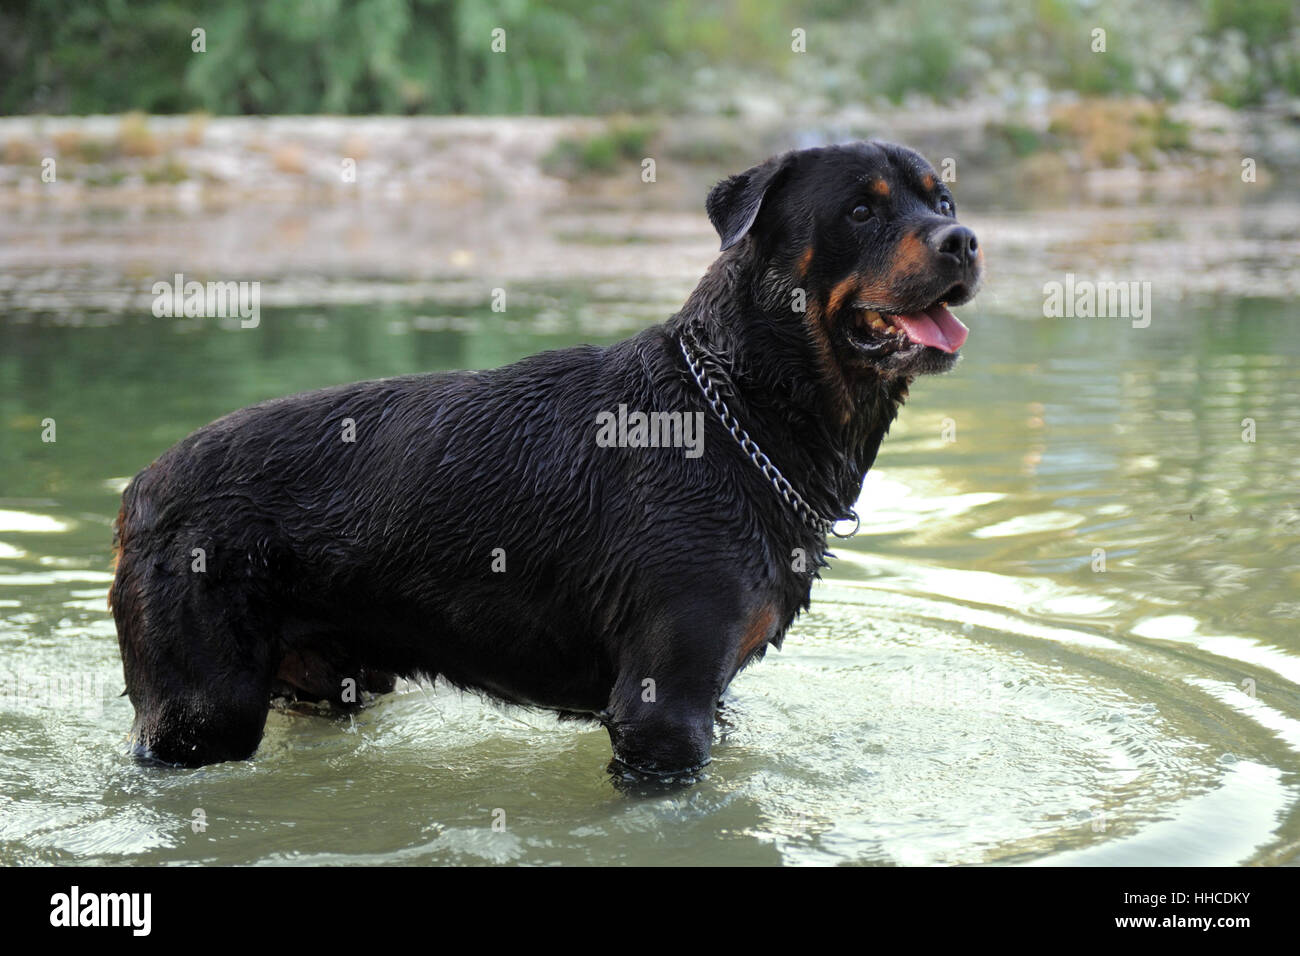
[194, 653]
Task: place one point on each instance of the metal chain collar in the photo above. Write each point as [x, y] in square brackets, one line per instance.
[764, 464]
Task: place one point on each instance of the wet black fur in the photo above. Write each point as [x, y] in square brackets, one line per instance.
[328, 561]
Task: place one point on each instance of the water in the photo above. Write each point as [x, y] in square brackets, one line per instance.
[969, 685]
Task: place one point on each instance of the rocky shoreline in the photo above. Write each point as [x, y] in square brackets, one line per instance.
[373, 209]
[196, 159]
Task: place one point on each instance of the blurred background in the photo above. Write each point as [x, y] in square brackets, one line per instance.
[1068, 629]
[430, 56]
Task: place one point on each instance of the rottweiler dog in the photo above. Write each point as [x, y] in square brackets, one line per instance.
[611, 533]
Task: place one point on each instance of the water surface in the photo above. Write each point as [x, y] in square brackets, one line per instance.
[970, 685]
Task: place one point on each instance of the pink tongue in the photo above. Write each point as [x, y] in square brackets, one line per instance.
[935, 326]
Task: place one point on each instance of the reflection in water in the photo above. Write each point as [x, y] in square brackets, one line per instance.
[1067, 633]
[1211, 829]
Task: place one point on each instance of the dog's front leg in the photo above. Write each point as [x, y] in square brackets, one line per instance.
[667, 740]
[661, 712]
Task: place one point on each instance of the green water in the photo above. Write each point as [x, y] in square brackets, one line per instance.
[969, 686]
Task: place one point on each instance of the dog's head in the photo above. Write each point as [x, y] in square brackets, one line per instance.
[859, 244]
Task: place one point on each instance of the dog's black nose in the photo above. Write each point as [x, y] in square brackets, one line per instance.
[956, 241]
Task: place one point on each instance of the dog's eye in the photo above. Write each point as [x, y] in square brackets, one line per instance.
[945, 207]
[860, 214]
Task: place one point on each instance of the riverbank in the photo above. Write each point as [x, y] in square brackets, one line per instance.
[1068, 143]
[340, 209]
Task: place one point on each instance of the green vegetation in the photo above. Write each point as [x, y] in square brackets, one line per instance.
[372, 56]
[624, 56]
[1261, 28]
[1019, 140]
[1101, 131]
[602, 152]
[169, 171]
[1106, 130]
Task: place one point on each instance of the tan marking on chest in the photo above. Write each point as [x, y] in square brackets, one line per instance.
[761, 629]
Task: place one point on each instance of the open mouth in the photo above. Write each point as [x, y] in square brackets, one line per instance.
[934, 326]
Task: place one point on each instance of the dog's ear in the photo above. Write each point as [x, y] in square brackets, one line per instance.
[733, 204]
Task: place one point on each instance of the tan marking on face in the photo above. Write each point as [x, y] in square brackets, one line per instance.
[927, 181]
[910, 258]
[837, 388]
[760, 630]
[880, 187]
[841, 291]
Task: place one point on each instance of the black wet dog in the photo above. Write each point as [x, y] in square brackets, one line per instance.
[609, 532]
